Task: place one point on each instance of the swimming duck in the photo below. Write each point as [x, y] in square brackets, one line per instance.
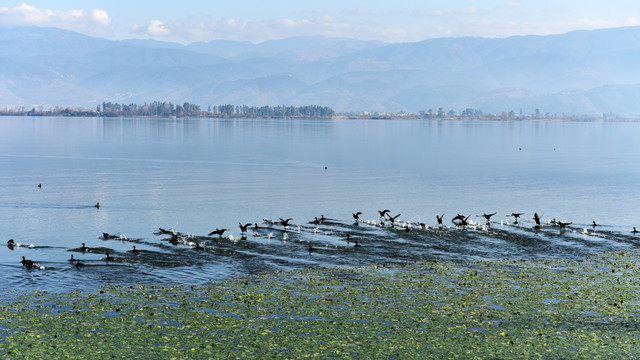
[78, 263]
[134, 249]
[108, 257]
[27, 262]
[97, 205]
[71, 259]
[83, 248]
[11, 243]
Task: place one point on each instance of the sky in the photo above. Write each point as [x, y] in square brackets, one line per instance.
[190, 21]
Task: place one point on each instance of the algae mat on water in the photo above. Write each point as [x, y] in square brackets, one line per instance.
[434, 309]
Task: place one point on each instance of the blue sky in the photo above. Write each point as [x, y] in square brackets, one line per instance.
[256, 21]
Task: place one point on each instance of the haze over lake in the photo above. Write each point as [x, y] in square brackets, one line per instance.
[196, 175]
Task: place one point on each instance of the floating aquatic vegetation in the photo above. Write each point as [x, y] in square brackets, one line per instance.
[430, 309]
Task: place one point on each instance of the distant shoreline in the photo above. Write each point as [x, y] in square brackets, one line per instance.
[375, 116]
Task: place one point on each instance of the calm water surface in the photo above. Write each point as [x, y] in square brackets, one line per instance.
[193, 176]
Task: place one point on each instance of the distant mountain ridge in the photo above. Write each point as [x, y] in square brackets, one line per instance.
[581, 72]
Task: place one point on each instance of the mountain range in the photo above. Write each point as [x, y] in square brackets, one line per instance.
[582, 72]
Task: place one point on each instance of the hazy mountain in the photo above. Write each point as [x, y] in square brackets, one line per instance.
[582, 72]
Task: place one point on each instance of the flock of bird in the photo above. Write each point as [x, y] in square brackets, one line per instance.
[385, 218]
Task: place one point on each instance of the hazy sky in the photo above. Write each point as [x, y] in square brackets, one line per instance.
[259, 20]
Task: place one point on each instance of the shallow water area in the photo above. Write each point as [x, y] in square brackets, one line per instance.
[192, 176]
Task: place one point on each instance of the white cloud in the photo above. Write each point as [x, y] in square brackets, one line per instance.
[92, 22]
[101, 17]
[157, 28]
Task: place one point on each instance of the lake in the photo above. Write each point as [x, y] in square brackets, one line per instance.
[192, 176]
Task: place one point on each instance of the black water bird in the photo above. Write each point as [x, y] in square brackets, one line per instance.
[285, 222]
[83, 248]
[243, 228]
[108, 236]
[392, 218]
[11, 243]
[97, 205]
[134, 249]
[487, 216]
[218, 232]
[40, 186]
[536, 218]
[199, 246]
[439, 219]
[460, 220]
[634, 230]
[383, 212]
[78, 263]
[594, 224]
[312, 249]
[356, 244]
[563, 225]
[71, 259]
[166, 232]
[26, 262]
[422, 225]
[108, 257]
[356, 216]
[516, 216]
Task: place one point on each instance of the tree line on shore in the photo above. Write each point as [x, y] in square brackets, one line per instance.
[187, 110]
[168, 109]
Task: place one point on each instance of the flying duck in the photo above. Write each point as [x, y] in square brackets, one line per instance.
[516, 216]
[487, 216]
[392, 218]
[356, 216]
[536, 218]
[439, 219]
[243, 228]
[218, 232]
